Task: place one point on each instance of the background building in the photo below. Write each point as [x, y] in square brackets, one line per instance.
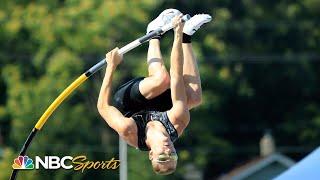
[267, 166]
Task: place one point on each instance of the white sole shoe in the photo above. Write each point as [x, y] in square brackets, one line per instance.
[195, 23]
[164, 18]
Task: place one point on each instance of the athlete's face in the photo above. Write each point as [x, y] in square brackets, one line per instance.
[163, 155]
[164, 167]
[162, 148]
[164, 158]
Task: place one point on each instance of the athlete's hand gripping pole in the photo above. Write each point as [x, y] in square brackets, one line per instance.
[135, 44]
[83, 78]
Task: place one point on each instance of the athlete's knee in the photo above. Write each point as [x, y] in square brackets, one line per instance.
[194, 95]
[162, 79]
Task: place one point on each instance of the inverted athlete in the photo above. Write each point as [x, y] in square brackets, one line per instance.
[150, 113]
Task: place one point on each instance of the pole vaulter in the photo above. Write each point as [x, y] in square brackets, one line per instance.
[83, 78]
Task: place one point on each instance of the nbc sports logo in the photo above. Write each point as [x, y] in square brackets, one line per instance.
[67, 162]
[22, 162]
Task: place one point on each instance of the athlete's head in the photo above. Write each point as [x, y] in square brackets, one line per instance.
[163, 157]
[165, 164]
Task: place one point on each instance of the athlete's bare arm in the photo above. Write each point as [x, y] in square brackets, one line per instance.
[179, 113]
[124, 126]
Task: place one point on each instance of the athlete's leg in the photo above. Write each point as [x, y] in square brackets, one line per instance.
[190, 68]
[191, 76]
[158, 80]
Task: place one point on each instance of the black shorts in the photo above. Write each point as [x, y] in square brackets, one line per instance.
[129, 100]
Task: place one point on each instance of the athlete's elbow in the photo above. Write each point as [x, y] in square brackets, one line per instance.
[124, 131]
[100, 106]
[123, 135]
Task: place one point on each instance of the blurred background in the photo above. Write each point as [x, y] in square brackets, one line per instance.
[259, 64]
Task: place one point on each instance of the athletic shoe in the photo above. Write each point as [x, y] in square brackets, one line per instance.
[164, 18]
[191, 26]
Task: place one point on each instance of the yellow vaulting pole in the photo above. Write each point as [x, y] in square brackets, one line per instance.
[59, 100]
[48, 113]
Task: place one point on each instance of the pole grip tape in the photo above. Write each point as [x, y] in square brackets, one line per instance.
[149, 36]
[95, 68]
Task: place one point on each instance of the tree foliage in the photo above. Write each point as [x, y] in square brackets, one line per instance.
[258, 60]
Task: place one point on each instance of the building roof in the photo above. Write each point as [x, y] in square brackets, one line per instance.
[307, 168]
[257, 164]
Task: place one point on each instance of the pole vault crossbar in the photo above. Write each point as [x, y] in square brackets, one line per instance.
[43, 119]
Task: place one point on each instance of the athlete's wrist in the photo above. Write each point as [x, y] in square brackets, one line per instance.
[112, 66]
[178, 35]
